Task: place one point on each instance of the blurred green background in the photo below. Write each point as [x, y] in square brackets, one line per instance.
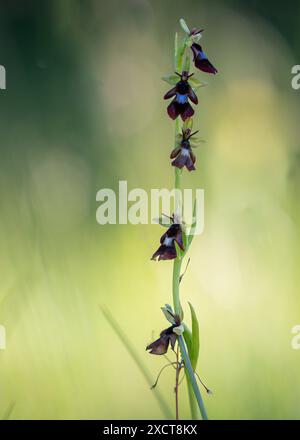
[83, 109]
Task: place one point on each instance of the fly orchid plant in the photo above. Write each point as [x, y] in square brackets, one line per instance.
[175, 242]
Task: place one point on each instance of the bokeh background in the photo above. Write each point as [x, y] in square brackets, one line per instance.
[83, 109]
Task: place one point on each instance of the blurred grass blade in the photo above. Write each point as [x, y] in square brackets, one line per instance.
[139, 363]
[8, 411]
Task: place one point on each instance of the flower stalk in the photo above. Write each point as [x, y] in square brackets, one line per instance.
[193, 389]
[175, 243]
[192, 381]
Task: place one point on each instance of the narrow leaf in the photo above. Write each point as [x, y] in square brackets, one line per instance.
[187, 63]
[195, 83]
[191, 377]
[188, 337]
[184, 239]
[194, 354]
[180, 253]
[180, 55]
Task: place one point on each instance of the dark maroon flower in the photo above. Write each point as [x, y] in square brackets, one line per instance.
[201, 61]
[169, 335]
[167, 249]
[183, 155]
[180, 104]
[161, 345]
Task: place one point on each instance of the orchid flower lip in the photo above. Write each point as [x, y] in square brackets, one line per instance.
[167, 249]
[168, 241]
[181, 99]
[161, 345]
[182, 155]
[185, 152]
[181, 93]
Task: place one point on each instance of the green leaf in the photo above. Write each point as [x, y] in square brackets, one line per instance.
[180, 55]
[181, 314]
[188, 337]
[171, 79]
[187, 63]
[195, 83]
[184, 237]
[184, 26]
[194, 353]
[190, 374]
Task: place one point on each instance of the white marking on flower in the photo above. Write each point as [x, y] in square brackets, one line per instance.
[168, 241]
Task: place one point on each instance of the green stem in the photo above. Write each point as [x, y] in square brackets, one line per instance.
[191, 377]
[193, 389]
[193, 402]
[176, 276]
[177, 261]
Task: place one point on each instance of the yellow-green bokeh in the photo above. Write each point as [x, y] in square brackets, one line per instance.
[83, 109]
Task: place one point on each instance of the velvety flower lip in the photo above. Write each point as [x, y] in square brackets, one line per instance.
[167, 249]
[161, 345]
[201, 61]
[169, 335]
[182, 92]
[183, 155]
